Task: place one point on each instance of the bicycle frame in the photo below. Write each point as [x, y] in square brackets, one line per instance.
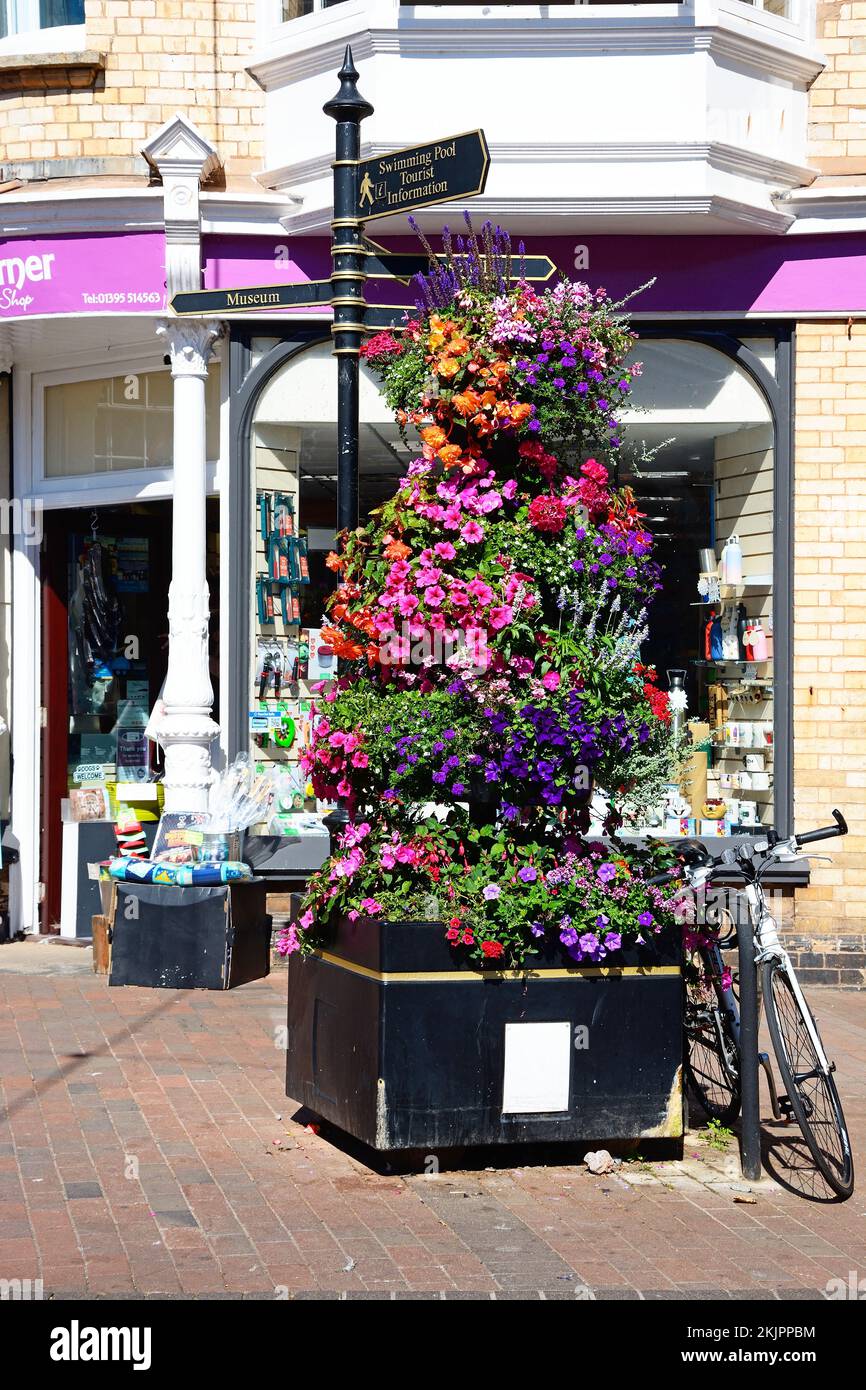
[767, 945]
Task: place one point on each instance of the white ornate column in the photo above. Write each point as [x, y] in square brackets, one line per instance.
[186, 730]
[183, 158]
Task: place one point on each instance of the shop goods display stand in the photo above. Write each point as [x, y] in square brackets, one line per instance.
[484, 957]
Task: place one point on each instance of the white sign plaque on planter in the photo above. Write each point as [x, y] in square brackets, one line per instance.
[537, 1068]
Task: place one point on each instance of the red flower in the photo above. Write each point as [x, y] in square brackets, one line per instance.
[547, 514]
[658, 701]
[492, 949]
[455, 922]
[381, 345]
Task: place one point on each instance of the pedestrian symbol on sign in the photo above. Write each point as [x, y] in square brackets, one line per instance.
[366, 189]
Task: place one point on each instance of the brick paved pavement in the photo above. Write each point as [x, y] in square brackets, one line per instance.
[147, 1148]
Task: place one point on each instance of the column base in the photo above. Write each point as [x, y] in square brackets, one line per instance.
[186, 740]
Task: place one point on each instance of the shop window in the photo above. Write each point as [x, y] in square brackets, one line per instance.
[700, 459]
[293, 466]
[699, 456]
[118, 423]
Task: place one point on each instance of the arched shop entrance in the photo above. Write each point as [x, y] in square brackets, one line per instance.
[708, 455]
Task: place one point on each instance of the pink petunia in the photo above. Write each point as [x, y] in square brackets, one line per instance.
[472, 533]
[407, 603]
[444, 550]
[509, 489]
[499, 617]
[489, 502]
[435, 596]
[550, 680]
[481, 591]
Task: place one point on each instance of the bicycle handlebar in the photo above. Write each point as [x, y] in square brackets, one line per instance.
[828, 832]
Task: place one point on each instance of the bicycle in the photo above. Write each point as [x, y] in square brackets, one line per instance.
[712, 1020]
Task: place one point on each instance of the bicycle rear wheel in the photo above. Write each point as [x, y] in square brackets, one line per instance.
[711, 1053]
[811, 1087]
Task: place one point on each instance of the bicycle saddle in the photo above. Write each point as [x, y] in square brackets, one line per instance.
[693, 853]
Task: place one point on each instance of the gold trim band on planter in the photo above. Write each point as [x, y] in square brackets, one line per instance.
[479, 976]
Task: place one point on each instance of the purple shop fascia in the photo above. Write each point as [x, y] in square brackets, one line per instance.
[692, 277]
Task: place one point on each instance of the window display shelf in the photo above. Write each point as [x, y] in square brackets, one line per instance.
[730, 661]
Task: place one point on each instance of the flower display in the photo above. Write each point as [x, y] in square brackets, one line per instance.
[489, 620]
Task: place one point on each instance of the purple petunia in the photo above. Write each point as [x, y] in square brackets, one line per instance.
[527, 874]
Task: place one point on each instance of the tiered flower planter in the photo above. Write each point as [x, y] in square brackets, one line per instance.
[478, 962]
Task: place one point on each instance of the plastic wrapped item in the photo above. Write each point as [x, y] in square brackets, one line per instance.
[239, 797]
[177, 875]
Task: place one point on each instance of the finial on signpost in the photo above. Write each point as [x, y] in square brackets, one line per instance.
[348, 104]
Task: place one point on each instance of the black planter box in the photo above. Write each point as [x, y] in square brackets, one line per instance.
[189, 938]
[395, 1041]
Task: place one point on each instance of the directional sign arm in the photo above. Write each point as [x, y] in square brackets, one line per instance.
[248, 299]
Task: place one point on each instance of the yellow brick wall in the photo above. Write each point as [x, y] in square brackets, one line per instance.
[837, 98]
[829, 695]
[163, 56]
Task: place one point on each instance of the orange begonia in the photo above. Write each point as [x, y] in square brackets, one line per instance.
[466, 402]
[434, 436]
[450, 454]
[396, 550]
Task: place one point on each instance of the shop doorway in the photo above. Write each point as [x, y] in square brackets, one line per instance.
[106, 573]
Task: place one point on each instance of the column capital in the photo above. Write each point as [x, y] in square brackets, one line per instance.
[190, 344]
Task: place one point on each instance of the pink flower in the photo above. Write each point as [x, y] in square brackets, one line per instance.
[481, 591]
[509, 489]
[306, 919]
[287, 942]
[451, 518]
[472, 533]
[407, 603]
[344, 788]
[489, 502]
[427, 576]
[444, 550]
[435, 596]
[398, 572]
[550, 680]
[360, 760]
[500, 616]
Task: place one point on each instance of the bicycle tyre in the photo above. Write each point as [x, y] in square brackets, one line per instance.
[715, 1084]
[812, 1092]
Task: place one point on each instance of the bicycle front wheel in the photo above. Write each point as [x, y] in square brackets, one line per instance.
[711, 1051]
[810, 1085]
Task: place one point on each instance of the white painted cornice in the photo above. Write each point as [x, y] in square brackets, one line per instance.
[559, 216]
[729, 158]
[825, 209]
[779, 55]
[24, 212]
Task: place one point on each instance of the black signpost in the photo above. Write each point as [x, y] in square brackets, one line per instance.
[348, 253]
